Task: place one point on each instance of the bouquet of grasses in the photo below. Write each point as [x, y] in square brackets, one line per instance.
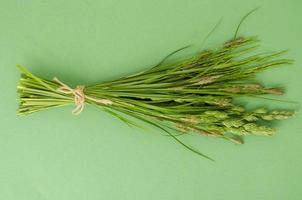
[194, 95]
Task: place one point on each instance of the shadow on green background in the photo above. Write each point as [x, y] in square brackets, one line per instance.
[54, 155]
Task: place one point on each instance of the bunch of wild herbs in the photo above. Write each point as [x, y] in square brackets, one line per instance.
[194, 95]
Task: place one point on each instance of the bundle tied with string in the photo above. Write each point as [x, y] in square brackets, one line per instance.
[79, 96]
[193, 95]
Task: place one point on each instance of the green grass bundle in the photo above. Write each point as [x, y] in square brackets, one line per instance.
[194, 95]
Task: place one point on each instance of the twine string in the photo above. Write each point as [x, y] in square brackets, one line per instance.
[79, 96]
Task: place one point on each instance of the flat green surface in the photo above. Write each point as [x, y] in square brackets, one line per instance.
[53, 155]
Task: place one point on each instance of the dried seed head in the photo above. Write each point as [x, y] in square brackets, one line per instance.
[252, 87]
[224, 102]
[182, 128]
[220, 101]
[191, 119]
[205, 54]
[234, 42]
[234, 89]
[207, 79]
[275, 91]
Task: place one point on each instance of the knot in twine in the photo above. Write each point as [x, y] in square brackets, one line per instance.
[79, 96]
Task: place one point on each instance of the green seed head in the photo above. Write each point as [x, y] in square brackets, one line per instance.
[260, 111]
[233, 123]
[237, 131]
[208, 119]
[268, 117]
[278, 115]
[253, 128]
[217, 114]
[250, 118]
[238, 109]
[215, 128]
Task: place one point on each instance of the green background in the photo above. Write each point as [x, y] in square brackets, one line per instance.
[54, 155]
